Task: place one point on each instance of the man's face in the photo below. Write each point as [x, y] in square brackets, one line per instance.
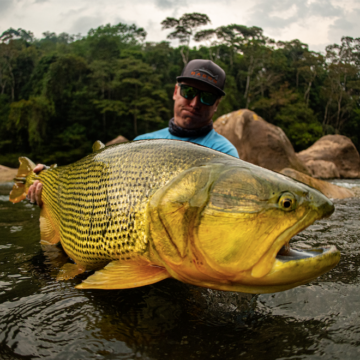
[192, 114]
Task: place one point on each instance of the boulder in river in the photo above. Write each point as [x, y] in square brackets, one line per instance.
[7, 174]
[258, 141]
[118, 140]
[323, 169]
[332, 156]
[330, 190]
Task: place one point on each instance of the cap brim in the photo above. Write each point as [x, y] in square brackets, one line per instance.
[182, 78]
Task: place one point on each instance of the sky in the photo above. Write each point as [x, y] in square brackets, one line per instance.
[315, 22]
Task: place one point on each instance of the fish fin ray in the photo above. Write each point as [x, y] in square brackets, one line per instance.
[69, 271]
[124, 275]
[18, 193]
[19, 190]
[26, 167]
[48, 232]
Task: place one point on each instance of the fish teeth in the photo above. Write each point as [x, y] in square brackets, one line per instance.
[284, 250]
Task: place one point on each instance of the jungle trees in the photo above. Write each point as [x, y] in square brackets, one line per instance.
[342, 84]
[184, 29]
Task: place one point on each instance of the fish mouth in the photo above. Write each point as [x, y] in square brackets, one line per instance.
[291, 268]
[286, 253]
[298, 267]
[282, 267]
[281, 246]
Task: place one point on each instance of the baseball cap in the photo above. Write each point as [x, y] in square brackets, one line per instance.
[205, 71]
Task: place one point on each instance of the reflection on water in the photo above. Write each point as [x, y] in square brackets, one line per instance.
[43, 318]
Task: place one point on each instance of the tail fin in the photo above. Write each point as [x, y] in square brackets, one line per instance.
[19, 189]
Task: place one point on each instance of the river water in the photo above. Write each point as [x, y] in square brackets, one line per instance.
[41, 318]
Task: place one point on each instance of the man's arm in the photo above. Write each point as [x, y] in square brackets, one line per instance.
[34, 193]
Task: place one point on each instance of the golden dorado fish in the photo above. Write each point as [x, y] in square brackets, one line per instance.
[148, 210]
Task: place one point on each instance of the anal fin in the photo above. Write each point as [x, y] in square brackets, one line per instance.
[48, 231]
[124, 275]
[69, 271]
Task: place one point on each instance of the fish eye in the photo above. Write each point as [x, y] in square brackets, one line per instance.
[287, 201]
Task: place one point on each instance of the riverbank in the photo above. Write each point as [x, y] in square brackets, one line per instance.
[7, 174]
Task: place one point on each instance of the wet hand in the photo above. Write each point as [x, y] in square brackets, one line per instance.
[34, 193]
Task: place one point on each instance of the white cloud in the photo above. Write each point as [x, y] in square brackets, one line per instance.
[170, 4]
[349, 25]
[83, 24]
[316, 22]
[5, 5]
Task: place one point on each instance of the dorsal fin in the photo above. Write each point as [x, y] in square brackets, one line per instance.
[98, 145]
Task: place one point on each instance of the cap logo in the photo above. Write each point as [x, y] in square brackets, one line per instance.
[209, 75]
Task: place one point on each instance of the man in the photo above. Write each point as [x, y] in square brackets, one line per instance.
[196, 98]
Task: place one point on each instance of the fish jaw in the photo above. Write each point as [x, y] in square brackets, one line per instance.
[265, 264]
[305, 266]
[285, 274]
[283, 267]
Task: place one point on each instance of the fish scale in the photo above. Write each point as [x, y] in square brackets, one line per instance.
[101, 199]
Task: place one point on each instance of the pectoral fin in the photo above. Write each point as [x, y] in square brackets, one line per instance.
[69, 271]
[117, 275]
[48, 232]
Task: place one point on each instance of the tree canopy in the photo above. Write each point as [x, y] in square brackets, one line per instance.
[60, 93]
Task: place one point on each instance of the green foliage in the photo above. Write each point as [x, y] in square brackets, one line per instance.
[64, 77]
[142, 96]
[5, 136]
[107, 42]
[300, 124]
[286, 109]
[61, 93]
[352, 128]
[229, 103]
[30, 117]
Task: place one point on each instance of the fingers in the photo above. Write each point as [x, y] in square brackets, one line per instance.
[38, 191]
[30, 195]
[34, 193]
[38, 168]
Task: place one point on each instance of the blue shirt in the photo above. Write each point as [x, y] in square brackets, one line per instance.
[212, 140]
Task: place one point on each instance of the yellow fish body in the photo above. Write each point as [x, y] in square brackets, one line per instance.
[144, 211]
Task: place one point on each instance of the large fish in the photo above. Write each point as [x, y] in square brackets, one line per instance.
[148, 210]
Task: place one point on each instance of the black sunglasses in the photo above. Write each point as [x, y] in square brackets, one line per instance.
[206, 98]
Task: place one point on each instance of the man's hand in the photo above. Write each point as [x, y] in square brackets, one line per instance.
[34, 193]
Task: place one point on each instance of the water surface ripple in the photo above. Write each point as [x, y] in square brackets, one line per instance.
[41, 318]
